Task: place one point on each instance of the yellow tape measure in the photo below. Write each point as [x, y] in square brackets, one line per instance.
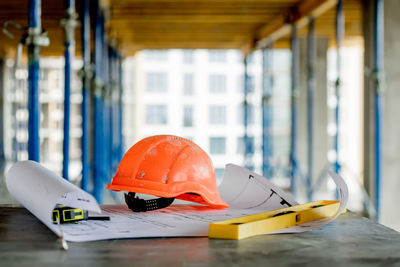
[270, 221]
[65, 214]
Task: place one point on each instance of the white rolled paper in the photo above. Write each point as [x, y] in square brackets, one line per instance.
[39, 190]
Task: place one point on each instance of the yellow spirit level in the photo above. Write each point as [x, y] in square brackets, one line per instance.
[270, 221]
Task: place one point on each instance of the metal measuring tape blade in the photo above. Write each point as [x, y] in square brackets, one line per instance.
[266, 222]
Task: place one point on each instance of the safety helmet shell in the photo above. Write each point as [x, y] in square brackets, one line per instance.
[168, 166]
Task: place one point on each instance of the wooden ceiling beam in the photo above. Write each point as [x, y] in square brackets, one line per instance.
[281, 26]
[223, 24]
[187, 18]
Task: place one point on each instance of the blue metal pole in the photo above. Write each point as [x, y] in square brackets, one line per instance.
[68, 55]
[114, 108]
[33, 80]
[310, 104]
[109, 108]
[293, 110]
[246, 139]
[112, 136]
[106, 107]
[378, 65]
[339, 37]
[120, 108]
[267, 110]
[98, 151]
[67, 104]
[85, 94]
[116, 112]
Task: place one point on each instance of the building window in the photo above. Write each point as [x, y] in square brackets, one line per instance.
[217, 115]
[239, 56]
[188, 56]
[156, 82]
[250, 114]
[240, 145]
[217, 145]
[217, 83]
[188, 85]
[217, 56]
[157, 55]
[156, 114]
[187, 116]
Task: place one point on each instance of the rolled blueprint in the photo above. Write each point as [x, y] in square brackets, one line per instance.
[39, 190]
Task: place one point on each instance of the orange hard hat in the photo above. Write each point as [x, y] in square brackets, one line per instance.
[169, 167]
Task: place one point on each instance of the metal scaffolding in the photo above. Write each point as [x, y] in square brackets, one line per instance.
[86, 79]
[267, 112]
[293, 168]
[121, 145]
[34, 31]
[115, 113]
[248, 149]
[378, 73]
[98, 106]
[69, 23]
[339, 38]
[310, 104]
[107, 102]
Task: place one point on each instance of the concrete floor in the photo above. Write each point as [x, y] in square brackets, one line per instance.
[349, 241]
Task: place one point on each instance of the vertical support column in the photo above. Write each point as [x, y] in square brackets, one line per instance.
[293, 168]
[267, 148]
[246, 140]
[98, 152]
[339, 37]
[69, 23]
[111, 107]
[35, 28]
[373, 93]
[106, 105]
[114, 109]
[120, 108]
[310, 104]
[2, 154]
[390, 83]
[86, 71]
[378, 71]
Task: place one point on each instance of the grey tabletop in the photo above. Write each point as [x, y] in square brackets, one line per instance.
[348, 241]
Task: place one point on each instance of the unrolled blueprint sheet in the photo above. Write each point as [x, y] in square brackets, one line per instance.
[246, 193]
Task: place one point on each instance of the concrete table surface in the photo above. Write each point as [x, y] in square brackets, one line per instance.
[348, 241]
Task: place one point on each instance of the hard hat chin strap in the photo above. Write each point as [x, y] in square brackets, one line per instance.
[137, 204]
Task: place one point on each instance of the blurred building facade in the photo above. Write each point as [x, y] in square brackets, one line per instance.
[51, 86]
[198, 94]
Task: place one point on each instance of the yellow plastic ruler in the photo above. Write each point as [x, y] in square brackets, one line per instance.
[270, 221]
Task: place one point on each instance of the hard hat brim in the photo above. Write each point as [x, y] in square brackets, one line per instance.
[177, 190]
